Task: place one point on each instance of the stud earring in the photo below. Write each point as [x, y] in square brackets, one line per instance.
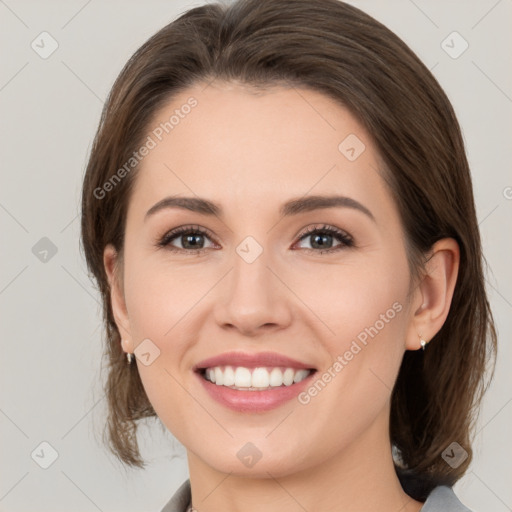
[423, 343]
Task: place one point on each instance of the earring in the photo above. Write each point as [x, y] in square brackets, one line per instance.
[129, 356]
[423, 343]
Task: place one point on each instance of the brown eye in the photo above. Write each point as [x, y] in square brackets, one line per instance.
[191, 239]
[321, 239]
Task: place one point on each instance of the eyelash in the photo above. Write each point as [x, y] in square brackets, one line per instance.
[345, 239]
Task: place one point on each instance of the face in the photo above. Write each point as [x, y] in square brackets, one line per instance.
[325, 284]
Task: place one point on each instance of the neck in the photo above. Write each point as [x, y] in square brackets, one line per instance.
[359, 477]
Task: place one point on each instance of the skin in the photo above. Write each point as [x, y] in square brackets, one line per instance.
[250, 153]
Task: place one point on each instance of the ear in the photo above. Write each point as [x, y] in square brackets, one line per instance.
[112, 264]
[433, 296]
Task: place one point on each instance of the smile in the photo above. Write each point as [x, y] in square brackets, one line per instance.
[262, 389]
[254, 379]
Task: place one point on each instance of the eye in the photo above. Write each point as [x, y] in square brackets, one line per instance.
[322, 238]
[190, 238]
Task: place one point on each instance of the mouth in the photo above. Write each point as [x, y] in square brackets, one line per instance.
[253, 389]
[263, 378]
[253, 382]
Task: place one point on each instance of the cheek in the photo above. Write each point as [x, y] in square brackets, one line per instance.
[160, 303]
[363, 310]
[356, 297]
[160, 298]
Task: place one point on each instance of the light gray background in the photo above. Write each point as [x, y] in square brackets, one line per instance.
[50, 327]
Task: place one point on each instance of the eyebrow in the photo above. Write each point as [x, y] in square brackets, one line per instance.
[291, 207]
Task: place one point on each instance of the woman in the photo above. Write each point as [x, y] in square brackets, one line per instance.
[279, 214]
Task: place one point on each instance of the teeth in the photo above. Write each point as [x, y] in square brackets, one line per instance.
[254, 378]
[289, 376]
[242, 377]
[228, 377]
[276, 377]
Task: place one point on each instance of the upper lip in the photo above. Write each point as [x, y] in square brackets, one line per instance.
[251, 360]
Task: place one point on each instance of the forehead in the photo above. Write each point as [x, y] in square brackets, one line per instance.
[223, 140]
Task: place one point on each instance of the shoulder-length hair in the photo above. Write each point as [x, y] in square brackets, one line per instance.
[338, 50]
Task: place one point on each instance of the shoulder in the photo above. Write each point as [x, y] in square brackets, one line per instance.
[443, 499]
[180, 500]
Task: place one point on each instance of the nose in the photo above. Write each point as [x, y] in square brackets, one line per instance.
[253, 298]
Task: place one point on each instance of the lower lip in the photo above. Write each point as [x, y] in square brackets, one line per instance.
[254, 401]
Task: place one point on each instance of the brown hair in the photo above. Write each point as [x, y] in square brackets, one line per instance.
[335, 49]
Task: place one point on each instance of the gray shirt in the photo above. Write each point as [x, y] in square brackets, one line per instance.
[441, 499]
